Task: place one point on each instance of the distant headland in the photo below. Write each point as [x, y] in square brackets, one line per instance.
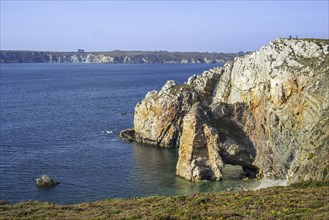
[116, 56]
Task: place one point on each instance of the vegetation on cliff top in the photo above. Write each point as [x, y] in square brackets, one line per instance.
[302, 201]
[17, 56]
[315, 40]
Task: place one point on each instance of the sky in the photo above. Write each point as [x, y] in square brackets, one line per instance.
[203, 26]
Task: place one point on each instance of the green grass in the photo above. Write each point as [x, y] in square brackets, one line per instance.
[315, 63]
[300, 201]
[314, 40]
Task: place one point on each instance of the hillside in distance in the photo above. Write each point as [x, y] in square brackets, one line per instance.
[117, 56]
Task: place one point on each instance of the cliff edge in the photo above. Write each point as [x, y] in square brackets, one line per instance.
[266, 111]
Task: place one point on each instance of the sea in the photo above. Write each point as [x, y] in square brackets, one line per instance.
[63, 120]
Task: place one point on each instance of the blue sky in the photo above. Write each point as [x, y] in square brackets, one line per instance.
[219, 26]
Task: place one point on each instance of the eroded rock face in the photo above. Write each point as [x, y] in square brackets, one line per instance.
[198, 150]
[158, 118]
[266, 111]
[285, 85]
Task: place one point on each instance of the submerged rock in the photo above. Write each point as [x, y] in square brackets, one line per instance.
[46, 181]
[128, 134]
[267, 112]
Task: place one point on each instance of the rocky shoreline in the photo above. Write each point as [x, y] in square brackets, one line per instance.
[125, 57]
[266, 111]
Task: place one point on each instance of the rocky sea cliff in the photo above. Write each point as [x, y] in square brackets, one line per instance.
[126, 57]
[266, 111]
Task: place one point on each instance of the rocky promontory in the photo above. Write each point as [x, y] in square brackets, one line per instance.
[117, 56]
[266, 111]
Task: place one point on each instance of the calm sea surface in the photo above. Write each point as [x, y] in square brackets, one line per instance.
[53, 118]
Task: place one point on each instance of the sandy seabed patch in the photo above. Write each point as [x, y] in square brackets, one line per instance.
[262, 184]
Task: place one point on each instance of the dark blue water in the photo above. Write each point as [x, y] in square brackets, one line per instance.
[53, 118]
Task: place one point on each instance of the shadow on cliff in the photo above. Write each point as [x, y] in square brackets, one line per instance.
[235, 146]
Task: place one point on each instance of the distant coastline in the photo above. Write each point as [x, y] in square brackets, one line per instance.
[117, 56]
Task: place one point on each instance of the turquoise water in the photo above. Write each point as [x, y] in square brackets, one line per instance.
[53, 121]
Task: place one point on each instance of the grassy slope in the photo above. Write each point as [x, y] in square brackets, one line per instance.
[293, 202]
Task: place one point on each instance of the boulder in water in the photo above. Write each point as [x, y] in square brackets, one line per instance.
[46, 181]
[128, 134]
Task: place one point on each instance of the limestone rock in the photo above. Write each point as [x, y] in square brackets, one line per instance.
[198, 152]
[285, 85]
[46, 181]
[158, 118]
[266, 111]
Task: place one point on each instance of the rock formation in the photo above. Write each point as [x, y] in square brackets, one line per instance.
[46, 181]
[198, 151]
[266, 111]
[128, 134]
